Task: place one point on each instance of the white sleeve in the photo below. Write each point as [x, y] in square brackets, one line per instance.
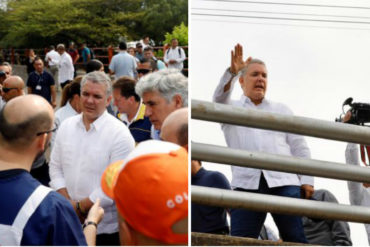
[182, 56]
[165, 58]
[355, 189]
[57, 180]
[219, 96]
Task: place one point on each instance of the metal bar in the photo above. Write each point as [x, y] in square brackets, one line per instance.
[278, 204]
[228, 114]
[259, 160]
[206, 239]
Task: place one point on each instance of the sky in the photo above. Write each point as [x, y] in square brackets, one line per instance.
[313, 66]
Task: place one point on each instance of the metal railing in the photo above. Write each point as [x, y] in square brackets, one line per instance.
[299, 125]
[228, 114]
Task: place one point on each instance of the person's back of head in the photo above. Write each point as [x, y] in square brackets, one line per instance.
[23, 120]
[175, 127]
[94, 65]
[126, 85]
[150, 188]
[168, 82]
[122, 45]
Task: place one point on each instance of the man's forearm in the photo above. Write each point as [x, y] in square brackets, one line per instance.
[64, 192]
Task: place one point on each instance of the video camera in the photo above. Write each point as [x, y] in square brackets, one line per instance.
[360, 112]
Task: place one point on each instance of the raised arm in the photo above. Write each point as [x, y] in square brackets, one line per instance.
[223, 91]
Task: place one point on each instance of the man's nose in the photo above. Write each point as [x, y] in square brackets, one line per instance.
[148, 111]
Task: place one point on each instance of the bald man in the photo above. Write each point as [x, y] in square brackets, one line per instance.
[30, 213]
[175, 128]
[12, 87]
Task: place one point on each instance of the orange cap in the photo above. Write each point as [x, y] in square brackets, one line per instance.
[150, 189]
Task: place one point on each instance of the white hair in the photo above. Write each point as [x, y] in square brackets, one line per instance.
[168, 82]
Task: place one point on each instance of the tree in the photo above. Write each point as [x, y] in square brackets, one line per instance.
[39, 23]
[180, 33]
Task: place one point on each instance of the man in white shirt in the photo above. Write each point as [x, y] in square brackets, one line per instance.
[175, 56]
[122, 64]
[162, 92]
[52, 59]
[253, 80]
[65, 65]
[84, 146]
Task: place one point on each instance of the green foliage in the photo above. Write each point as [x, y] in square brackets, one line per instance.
[39, 23]
[180, 33]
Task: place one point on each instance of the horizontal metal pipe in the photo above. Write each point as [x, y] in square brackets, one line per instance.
[279, 204]
[244, 158]
[228, 114]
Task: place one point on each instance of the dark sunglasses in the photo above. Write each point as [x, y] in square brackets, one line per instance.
[7, 89]
[46, 132]
[143, 71]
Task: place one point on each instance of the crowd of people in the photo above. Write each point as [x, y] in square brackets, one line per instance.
[118, 167]
[252, 76]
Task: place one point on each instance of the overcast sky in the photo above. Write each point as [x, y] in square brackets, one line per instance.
[313, 65]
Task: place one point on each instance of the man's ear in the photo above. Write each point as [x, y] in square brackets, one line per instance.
[177, 99]
[108, 100]
[241, 80]
[126, 236]
[41, 141]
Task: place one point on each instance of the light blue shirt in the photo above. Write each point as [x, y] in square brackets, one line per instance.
[123, 64]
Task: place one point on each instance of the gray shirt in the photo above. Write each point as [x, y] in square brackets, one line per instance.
[326, 232]
[123, 64]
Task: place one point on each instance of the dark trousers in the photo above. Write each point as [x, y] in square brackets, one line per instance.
[246, 223]
[108, 239]
[42, 174]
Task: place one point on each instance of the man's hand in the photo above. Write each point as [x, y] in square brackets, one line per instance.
[237, 62]
[347, 117]
[307, 191]
[54, 104]
[96, 212]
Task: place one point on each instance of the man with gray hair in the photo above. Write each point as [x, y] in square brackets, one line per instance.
[162, 92]
[85, 145]
[253, 81]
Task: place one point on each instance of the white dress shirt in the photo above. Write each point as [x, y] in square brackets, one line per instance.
[54, 56]
[177, 54]
[60, 115]
[79, 158]
[66, 68]
[260, 140]
[358, 194]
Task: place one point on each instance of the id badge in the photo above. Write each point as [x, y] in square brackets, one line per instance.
[38, 87]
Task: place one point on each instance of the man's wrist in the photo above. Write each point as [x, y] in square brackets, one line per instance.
[89, 223]
[233, 74]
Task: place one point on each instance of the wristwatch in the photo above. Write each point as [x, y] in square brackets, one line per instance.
[89, 223]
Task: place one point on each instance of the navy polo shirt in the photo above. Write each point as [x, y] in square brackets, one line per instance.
[40, 84]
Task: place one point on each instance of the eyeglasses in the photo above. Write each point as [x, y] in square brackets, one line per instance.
[46, 132]
[7, 89]
[143, 71]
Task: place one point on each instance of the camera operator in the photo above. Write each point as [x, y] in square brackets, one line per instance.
[359, 194]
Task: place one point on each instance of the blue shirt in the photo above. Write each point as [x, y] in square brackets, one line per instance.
[40, 84]
[85, 54]
[209, 219]
[53, 223]
[123, 64]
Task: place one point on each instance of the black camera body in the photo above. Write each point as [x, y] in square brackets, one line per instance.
[360, 112]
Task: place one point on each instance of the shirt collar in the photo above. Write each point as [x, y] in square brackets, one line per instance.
[97, 124]
[140, 114]
[246, 100]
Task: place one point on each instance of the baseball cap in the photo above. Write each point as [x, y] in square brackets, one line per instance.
[150, 188]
